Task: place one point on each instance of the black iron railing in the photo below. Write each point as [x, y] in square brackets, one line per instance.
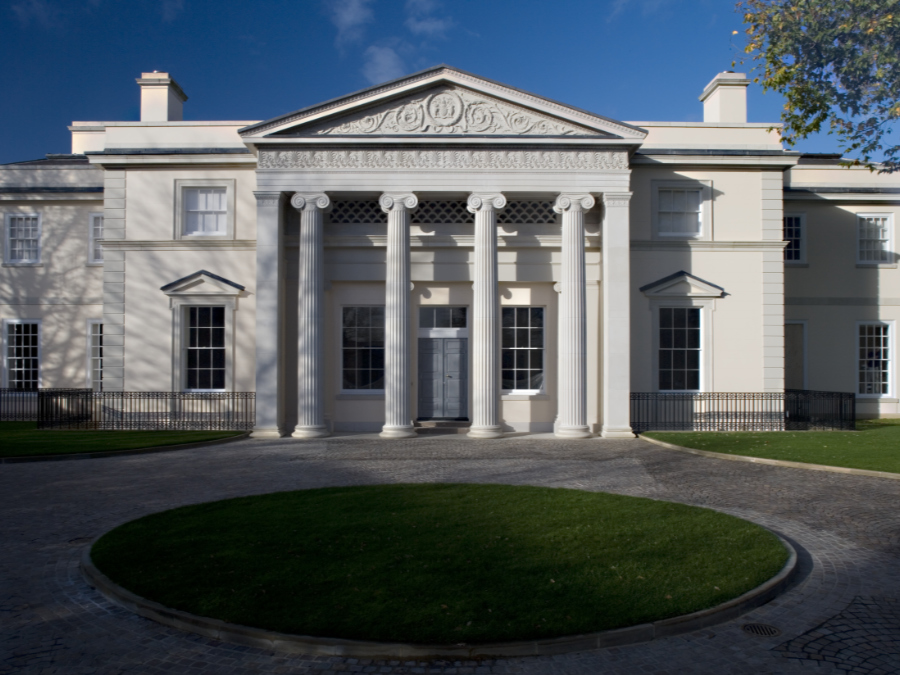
[18, 405]
[146, 410]
[741, 411]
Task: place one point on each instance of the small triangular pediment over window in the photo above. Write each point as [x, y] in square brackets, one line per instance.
[202, 283]
[682, 285]
[441, 102]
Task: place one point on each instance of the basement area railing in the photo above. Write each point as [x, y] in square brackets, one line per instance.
[791, 410]
[18, 405]
[145, 410]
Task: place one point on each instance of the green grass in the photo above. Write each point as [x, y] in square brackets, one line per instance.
[875, 445]
[439, 563]
[20, 439]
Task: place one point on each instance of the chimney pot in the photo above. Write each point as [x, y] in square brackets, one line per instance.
[162, 100]
[725, 98]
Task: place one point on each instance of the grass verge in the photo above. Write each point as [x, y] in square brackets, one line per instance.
[439, 563]
[874, 446]
[21, 439]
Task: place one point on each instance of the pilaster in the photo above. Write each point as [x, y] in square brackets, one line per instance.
[311, 317]
[616, 325]
[485, 345]
[397, 416]
[572, 370]
[269, 315]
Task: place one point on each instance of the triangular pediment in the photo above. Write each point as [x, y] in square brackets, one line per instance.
[682, 285]
[442, 102]
[202, 282]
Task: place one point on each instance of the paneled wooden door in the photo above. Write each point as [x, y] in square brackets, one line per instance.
[443, 379]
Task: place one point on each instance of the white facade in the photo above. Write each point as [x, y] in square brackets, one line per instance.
[447, 247]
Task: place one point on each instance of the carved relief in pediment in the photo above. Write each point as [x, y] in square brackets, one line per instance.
[450, 110]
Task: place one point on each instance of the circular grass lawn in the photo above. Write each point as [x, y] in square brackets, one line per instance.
[439, 563]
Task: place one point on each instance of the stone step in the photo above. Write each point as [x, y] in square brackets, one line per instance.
[442, 426]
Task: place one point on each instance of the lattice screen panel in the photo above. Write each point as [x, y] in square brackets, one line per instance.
[442, 213]
[356, 212]
[528, 213]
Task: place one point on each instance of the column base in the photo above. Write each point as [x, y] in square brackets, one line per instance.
[617, 432]
[398, 432]
[573, 432]
[266, 432]
[310, 432]
[485, 432]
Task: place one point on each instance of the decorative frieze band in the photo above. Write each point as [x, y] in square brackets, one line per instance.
[413, 159]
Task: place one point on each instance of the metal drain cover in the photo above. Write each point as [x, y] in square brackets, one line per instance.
[761, 629]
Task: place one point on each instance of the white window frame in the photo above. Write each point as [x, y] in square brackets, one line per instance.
[802, 260]
[181, 184]
[5, 344]
[705, 188]
[706, 307]
[7, 249]
[89, 379]
[892, 256]
[525, 392]
[180, 335]
[92, 239]
[892, 359]
[340, 360]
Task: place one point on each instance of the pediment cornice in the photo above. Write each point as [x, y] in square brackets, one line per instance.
[385, 110]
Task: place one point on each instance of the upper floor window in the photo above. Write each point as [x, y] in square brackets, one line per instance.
[23, 239]
[22, 353]
[522, 349]
[681, 209]
[363, 349]
[795, 236]
[95, 249]
[204, 208]
[874, 237]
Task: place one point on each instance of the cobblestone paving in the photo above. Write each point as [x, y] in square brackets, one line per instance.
[839, 617]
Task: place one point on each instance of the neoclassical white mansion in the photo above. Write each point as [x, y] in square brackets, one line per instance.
[445, 247]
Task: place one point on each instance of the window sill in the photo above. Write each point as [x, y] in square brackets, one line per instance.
[793, 263]
[94, 264]
[374, 396]
[23, 264]
[887, 266]
[876, 397]
[513, 396]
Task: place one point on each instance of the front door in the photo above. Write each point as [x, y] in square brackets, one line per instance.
[442, 379]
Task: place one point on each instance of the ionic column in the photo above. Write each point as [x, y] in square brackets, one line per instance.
[311, 317]
[572, 384]
[397, 417]
[485, 343]
[269, 299]
[616, 316]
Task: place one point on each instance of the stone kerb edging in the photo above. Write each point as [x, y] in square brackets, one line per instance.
[119, 453]
[774, 462]
[319, 646]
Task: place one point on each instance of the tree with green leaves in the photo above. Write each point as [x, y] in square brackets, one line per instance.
[837, 63]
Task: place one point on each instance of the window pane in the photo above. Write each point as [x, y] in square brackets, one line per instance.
[458, 317]
[426, 317]
[508, 315]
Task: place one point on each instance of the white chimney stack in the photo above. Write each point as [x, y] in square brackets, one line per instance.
[162, 100]
[725, 98]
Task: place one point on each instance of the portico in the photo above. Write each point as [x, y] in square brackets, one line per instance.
[449, 194]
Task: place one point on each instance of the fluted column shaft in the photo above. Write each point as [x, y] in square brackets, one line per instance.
[572, 349]
[485, 342]
[397, 417]
[311, 317]
[269, 308]
[616, 316]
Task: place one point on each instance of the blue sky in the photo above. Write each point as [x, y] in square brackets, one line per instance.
[632, 60]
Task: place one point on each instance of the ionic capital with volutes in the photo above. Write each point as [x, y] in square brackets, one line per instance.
[392, 201]
[571, 201]
[481, 201]
[307, 201]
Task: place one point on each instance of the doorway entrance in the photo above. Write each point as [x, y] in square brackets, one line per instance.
[443, 363]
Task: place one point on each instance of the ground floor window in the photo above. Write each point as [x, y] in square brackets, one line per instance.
[205, 349]
[522, 344]
[679, 348]
[362, 345]
[874, 359]
[22, 347]
[95, 355]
